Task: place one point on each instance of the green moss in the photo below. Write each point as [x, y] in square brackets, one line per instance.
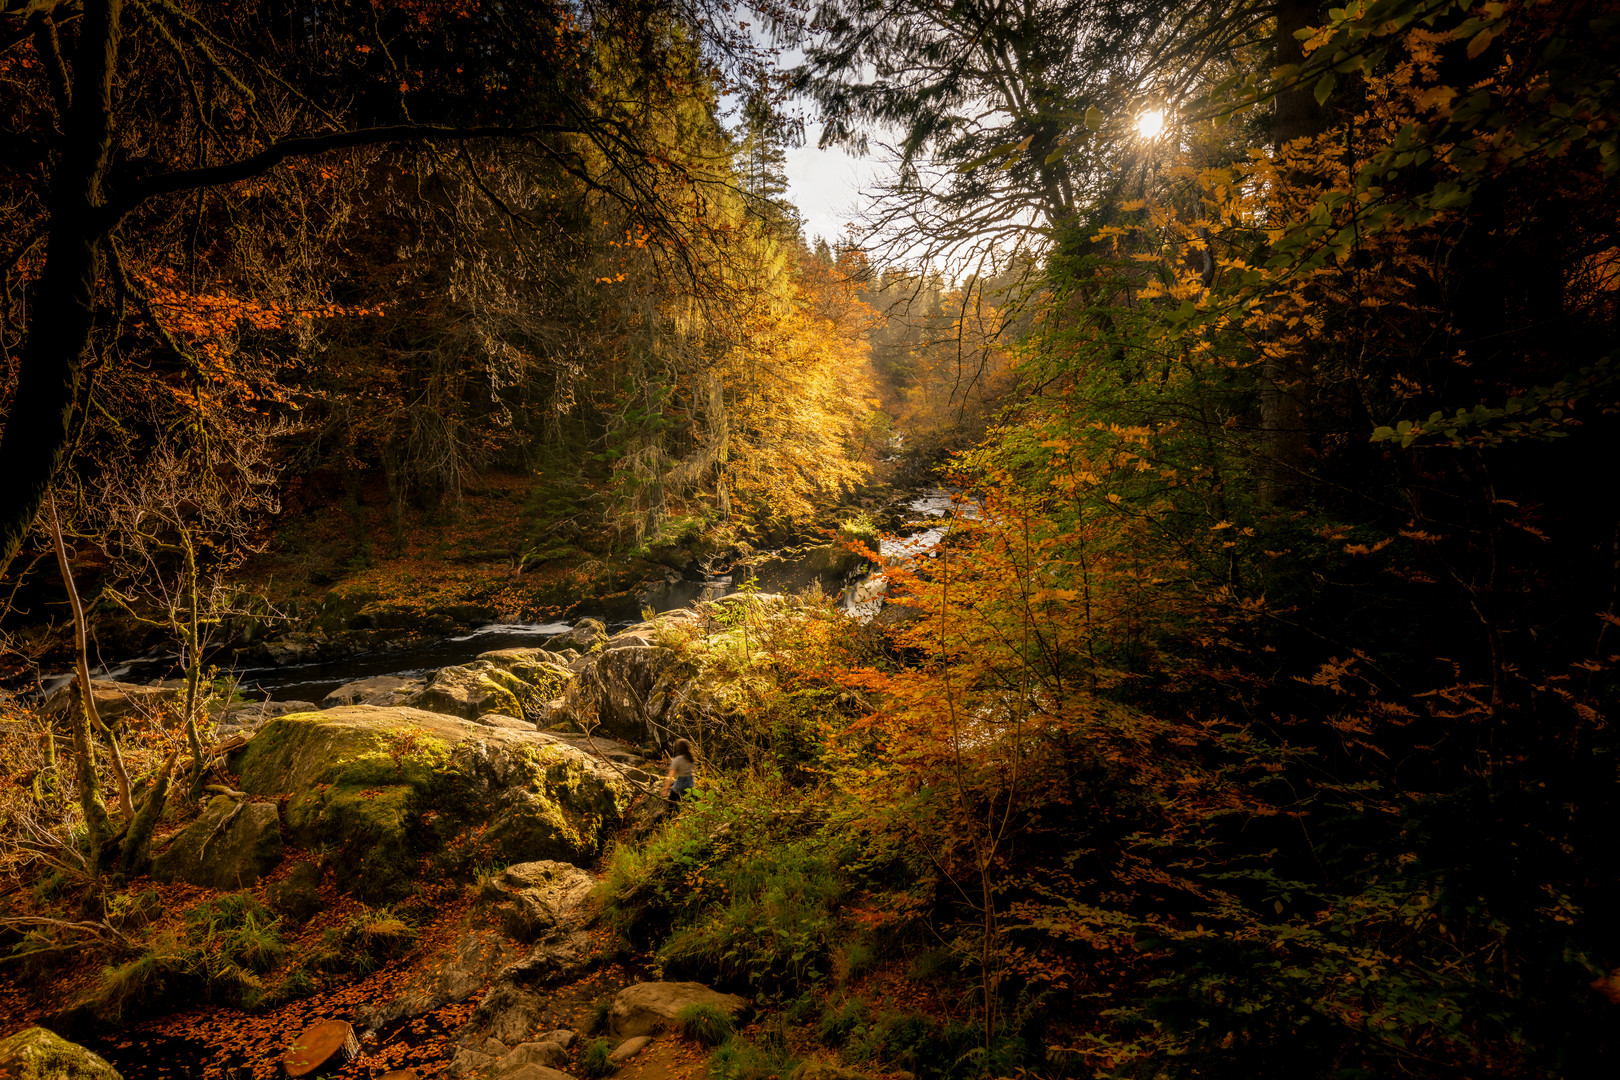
[37, 1054]
[383, 791]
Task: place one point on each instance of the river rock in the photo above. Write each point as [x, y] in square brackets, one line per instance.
[232, 845]
[613, 690]
[586, 636]
[537, 898]
[510, 1011]
[629, 1048]
[561, 956]
[37, 1054]
[824, 565]
[549, 1054]
[469, 1063]
[471, 690]
[295, 648]
[377, 690]
[114, 700]
[648, 1008]
[388, 786]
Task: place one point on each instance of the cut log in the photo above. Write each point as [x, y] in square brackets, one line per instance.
[329, 1043]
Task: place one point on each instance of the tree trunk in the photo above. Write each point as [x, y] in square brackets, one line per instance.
[87, 714]
[37, 428]
[1283, 384]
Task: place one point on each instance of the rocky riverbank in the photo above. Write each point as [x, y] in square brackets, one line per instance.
[396, 795]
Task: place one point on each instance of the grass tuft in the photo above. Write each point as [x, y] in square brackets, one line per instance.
[705, 1023]
[594, 1061]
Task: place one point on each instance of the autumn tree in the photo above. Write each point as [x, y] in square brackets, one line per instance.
[142, 122]
[1300, 780]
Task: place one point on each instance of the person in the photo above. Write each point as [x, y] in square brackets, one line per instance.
[678, 781]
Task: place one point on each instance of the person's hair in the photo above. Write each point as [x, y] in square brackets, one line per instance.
[681, 748]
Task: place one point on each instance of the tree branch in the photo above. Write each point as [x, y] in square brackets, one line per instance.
[301, 146]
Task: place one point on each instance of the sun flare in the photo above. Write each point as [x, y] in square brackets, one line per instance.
[1149, 123]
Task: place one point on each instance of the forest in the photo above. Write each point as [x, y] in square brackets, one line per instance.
[491, 590]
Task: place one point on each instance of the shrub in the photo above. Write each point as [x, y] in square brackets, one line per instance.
[238, 929]
[853, 959]
[735, 889]
[704, 1023]
[207, 966]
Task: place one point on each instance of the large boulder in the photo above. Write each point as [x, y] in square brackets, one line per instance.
[648, 1008]
[37, 1054]
[537, 899]
[388, 786]
[616, 692]
[233, 844]
[540, 668]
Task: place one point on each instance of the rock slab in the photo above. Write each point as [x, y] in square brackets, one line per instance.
[649, 1008]
[629, 1048]
[377, 690]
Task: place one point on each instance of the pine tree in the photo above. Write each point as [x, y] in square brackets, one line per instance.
[762, 162]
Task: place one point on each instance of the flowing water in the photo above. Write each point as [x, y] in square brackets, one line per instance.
[860, 595]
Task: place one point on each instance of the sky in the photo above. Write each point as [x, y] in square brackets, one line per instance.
[826, 185]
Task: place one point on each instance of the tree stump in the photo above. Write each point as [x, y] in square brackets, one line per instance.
[329, 1043]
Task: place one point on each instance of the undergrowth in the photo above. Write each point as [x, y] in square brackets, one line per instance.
[216, 956]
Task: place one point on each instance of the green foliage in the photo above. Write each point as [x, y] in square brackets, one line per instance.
[734, 890]
[131, 910]
[238, 929]
[227, 941]
[703, 1023]
[932, 1048]
[593, 1059]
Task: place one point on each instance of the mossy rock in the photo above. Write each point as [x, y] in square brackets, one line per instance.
[472, 690]
[384, 787]
[230, 846]
[37, 1054]
[298, 895]
[539, 669]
